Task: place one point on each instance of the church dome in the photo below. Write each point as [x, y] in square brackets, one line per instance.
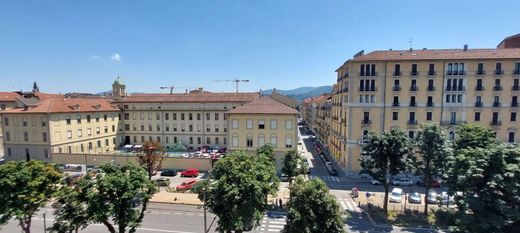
[118, 81]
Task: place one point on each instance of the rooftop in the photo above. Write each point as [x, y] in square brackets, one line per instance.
[195, 97]
[263, 105]
[8, 96]
[439, 54]
[65, 105]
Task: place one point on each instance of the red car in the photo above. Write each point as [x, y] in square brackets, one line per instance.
[186, 185]
[190, 173]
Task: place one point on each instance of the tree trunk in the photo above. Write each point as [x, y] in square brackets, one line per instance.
[426, 185]
[385, 202]
[111, 228]
[26, 227]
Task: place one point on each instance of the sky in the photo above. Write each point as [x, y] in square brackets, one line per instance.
[82, 46]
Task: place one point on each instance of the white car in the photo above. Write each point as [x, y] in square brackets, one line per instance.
[375, 182]
[402, 182]
[396, 195]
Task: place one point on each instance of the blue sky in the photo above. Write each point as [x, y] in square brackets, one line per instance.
[82, 46]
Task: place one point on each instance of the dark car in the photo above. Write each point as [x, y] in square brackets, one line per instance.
[414, 197]
[169, 173]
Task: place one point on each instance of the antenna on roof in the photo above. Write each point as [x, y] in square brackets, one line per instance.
[410, 42]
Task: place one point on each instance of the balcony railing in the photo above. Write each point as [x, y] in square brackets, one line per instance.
[429, 104]
[456, 72]
[515, 88]
[395, 104]
[413, 104]
[453, 122]
[430, 88]
[516, 72]
[496, 122]
[450, 88]
[369, 74]
[396, 88]
[480, 72]
[479, 88]
[478, 104]
[499, 72]
[497, 88]
[398, 73]
[414, 73]
[514, 104]
[414, 88]
[367, 89]
[497, 104]
[412, 122]
[366, 122]
[432, 73]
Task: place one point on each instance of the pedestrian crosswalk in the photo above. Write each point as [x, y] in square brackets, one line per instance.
[272, 223]
[348, 204]
[324, 178]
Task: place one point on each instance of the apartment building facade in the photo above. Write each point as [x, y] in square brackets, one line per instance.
[382, 90]
[263, 121]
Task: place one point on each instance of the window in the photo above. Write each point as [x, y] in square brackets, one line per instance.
[498, 68]
[44, 136]
[288, 141]
[89, 132]
[191, 140]
[477, 116]
[216, 116]
[208, 140]
[274, 140]
[67, 119]
[157, 116]
[397, 70]
[234, 140]
[261, 139]
[78, 119]
[198, 116]
[288, 124]
[395, 116]
[513, 116]
[199, 140]
[9, 152]
[105, 117]
[431, 69]
[174, 127]
[7, 136]
[69, 134]
[150, 128]
[46, 153]
[208, 127]
[217, 128]
[414, 70]
[249, 124]
[234, 124]
[106, 129]
[183, 127]
[97, 117]
[174, 116]
[411, 134]
[126, 116]
[429, 116]
[208, 116]
[26, 136]
[274, 124]
[217, 141]
[80, 133]
[190, 117]
[451, 135]
[249, 141]
[511, 137]
[261, 124]
[98, 130]
[182, 116]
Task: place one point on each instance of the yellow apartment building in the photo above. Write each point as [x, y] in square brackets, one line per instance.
[389, 89]
[263, 121]
[60, 125]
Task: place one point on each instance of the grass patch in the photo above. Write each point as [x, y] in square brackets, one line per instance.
[441, 218]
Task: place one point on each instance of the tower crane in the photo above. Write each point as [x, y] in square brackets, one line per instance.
[169, 87]
[236, 81]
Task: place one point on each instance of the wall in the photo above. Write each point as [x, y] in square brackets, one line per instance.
[202, 164]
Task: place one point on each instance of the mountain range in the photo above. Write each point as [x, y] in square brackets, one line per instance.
[301, 93]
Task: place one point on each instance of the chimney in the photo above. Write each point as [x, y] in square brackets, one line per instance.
[465, 47]
[411, 50]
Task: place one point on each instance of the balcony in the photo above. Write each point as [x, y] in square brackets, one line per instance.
[413, 104]
[516, 72]
[455, 88]
[412, 122]
[398, 73]
[455, 73]
[396, 88]
[497, 104]
[495, 122]
[430, 88]
[497, 88]
[479, 88]
[370, 74]
[395, 104]
[515, 88]
[366, 122]
[429, 104]
[414, 73]
[414, 88]
[345, 89]
[432, 73]
[367, 89]
[499, 72]
[478, 104]
[453, 122]
[480, 73]
[514, 104]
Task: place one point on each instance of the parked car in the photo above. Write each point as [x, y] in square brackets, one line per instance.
[396, 195]
[432, 197]
[414, 197]
[163, 182]
[444, 198]
[332, 171]
[186, 185]
[283, 177]
[375, 182]
[190, 173]
[433, 183]
[402, 182]
[364, 175]
[169, 172]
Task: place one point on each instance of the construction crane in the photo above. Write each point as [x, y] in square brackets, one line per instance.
[169, 87]
[236, 81]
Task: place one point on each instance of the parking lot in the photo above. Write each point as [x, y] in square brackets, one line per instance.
[177, 180]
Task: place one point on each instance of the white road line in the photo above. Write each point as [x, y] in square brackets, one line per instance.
[276, 226]
[273, 230]
[335, 178]
[343, 205]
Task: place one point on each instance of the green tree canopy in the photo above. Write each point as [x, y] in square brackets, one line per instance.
[293, 164]
[386, 154]
[473, 136]
[266, 150]
[434, 147]
[312, 209]
[70, 210]
[151, 157]
[239, 188]
[24, 188]
[489, 179]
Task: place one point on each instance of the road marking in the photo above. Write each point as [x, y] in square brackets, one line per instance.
[343, 205]
[334, 178]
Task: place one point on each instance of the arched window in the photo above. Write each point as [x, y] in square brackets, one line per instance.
[274, 140]
[249, 140]
[288, 141]
[451, 135]
[261, 139]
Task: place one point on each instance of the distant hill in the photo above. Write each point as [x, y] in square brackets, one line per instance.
[302, 93]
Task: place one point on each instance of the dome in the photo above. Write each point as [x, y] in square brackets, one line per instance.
[118, 81]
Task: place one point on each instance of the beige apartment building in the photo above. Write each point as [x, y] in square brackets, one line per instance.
[60, 125]
[389, 89]
[262, 121]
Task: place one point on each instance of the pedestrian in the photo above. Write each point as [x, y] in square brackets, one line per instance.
[280, 202]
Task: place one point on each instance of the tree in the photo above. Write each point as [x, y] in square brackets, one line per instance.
[267, 150]
[25, 187]
[151, 158]
[239, 188]
[70, 210]
[473, 136]
[434, 147]
[386, 154]
[293, 164]
[489, 179]
[312, 209]
[114, 198]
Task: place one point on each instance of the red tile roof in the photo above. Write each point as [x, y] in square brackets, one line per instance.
[263, 105]
[439, 54]
[204, 97]
[64, 105]
[8, 96]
